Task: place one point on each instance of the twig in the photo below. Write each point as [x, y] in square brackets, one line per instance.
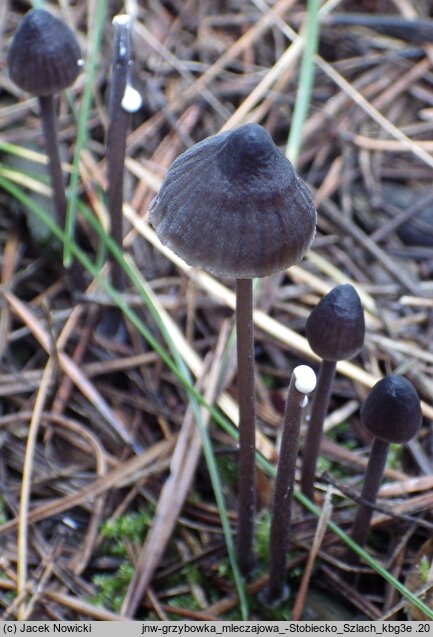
[26, 483]
[321, 529]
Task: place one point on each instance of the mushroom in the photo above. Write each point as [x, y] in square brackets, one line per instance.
[392, 414]
[124, 99]
[234, 205]
[335, 330]
[302, 383]
[43, 59]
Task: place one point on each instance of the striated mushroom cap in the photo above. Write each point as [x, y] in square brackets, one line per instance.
[44, 57]
[335, 328]
[234, 205]
[392, 410]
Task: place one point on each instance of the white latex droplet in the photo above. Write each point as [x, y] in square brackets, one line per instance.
[304, 402]
[80, 62]
[131, 101]
[305, 379]
[122, 19]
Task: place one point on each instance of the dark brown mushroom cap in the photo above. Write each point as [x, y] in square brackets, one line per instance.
[392, 410]
[44, 56]
[335, 328]
[234, 205]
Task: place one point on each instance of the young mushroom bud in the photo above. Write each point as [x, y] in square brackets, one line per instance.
[335, 331]
[44, 58]
[234, 205]
[392, 414]
[392, 411]
[335, 328]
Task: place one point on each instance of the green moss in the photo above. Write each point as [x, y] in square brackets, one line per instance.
[424, 569]
[131, 526]
[185, 600]
[268, 381]
[129, 529]
[323, 464]
[394, 456]
[3, 516]
[263, 528]
[227, 469]
[112, 588]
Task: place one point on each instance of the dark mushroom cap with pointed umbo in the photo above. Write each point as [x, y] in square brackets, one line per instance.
[392, 410]
[335, 328]
[44, 57]
[234, 205]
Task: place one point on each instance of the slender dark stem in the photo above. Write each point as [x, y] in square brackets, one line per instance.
[372, 480]
[314, 433]
[49, 127]
[277, 589]
[75, 275]
[116, 139]
[247, 434]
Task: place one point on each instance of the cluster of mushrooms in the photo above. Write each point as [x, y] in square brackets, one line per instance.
[233, 205]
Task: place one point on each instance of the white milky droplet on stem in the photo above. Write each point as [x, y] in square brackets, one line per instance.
[305, 379]
[131, 101]
[122, 19]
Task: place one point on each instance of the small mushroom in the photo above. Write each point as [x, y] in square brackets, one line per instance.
[392, 414]
[253, 214]
[234, 205]
[43, 59]
[335, 331]
[302, 383]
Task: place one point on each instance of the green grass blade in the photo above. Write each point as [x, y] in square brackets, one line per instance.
[24, 153]
[177, 365]
[292, 152]
[380, 570]
[117, 298]
[305, 85]
[207, 451]
[225, 523]
[90, 69]
[406, 593]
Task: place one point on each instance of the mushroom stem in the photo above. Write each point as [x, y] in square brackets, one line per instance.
[247, 434]
[49, 127]
[370, 488]
[116, 138]
[314, 433]
[277, 589]
[392, 414]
